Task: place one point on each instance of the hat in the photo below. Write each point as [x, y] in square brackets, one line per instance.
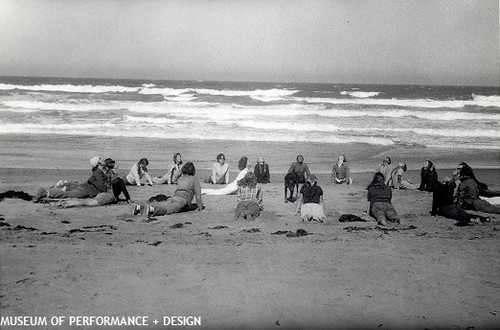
[94, 161]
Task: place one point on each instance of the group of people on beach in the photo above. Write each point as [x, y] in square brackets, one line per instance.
[451, 198]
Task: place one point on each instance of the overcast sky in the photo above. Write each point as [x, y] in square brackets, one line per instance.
[333, 41]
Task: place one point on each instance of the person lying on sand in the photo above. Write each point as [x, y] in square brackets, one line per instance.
[188, 186]
[232, 187]
[249, 198]
[97, 183]
[311, 204]
[380, 198]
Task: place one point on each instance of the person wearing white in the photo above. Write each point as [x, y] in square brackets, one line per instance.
[232, 187]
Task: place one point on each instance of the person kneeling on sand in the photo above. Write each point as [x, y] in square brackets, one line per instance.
[188, 186]
[380, 197]
[311, 203]
[115, 185]
[97, 183]
[249, 198]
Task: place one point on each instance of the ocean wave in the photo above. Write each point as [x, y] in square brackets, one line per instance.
[185, 106]
[67, 88]
[107, 129]
[360, 94]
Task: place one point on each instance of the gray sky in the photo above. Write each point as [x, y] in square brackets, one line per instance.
[351, 41]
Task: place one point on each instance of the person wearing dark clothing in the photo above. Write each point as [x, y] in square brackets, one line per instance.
[428, 177]
[380, 197]
[443, 205]
[261, 171]
[483, 187]
[311, 204]
[96, 184]
[300, 168]
[468, 194]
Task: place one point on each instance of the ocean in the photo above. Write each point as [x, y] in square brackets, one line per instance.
[413, 115]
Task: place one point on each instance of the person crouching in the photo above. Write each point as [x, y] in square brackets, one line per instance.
[249, 198]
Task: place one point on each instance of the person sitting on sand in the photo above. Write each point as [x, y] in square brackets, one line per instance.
[340, 171]
[173, 173]
[484, 190]
[261, 171]
[468, 194]
[397, 179]
[188, 186]
[232, 187]
[380, 198]
[386, 169]
[428, 177]
[138, 171]
[249, 198]
[443, 205]
[116, 186]
[97, 183]
[220, 171]
[300, 168]
[311, 204]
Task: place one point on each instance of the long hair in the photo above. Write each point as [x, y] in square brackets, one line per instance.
[249, 180]
[175, 158]
[378, 181]
[309, 188]
[242, 163]
[143, 161]
[188, 169]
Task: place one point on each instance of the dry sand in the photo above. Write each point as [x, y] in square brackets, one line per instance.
[427, 273]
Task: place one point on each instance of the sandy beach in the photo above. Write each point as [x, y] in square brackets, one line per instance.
[423, 273]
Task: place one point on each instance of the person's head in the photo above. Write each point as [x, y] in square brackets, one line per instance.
[342, 159]
[403, 166]
[143, 162]
[261, 160]
[188, 169]
[109, 163]
[300, 159]
[387, 160]
[378, 180]
[312, 180]
[466, 172]
[242, 163]
[95, 161]
[249, 180]
[221, 158]
[177, 158]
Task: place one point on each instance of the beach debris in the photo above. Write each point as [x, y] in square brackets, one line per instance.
[278, 322]
[218, 227]
[4, 224]
[385, 230]
[48, 233]
[155, 243]
[288, 233]
[177, 225]
[20, 227]
[66, 221]
[15, 195]
[159, 198]
[93, 229]
[350, 218]
[251, 230]
[204, 233]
